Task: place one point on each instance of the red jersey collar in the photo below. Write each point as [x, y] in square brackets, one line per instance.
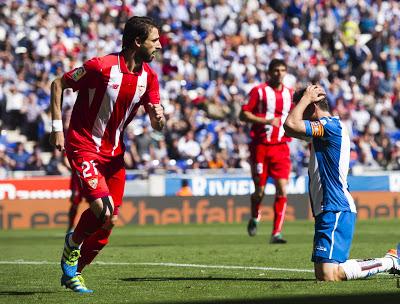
[275, 89]
[123, 68]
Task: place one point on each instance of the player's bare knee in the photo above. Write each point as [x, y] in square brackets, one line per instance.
[114, 219]
[325, 278]
[109, 225]
[281, 188]
[107, 211]
[331, 275]
[281, 192]
[258, 194]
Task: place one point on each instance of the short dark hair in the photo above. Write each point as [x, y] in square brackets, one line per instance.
[276, 62]
[323, 104]
[298, 95]
[135, 27]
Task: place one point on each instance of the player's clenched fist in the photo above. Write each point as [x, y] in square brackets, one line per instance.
[57, 140]
[158, 111]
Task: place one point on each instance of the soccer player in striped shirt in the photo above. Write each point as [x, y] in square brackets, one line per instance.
[333, 207]
[266, 109]
[111, 90]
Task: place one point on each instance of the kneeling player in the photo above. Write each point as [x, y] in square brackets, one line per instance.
[333, 207]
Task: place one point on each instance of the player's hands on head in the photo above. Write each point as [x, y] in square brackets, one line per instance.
[57, 140]
[315, 93]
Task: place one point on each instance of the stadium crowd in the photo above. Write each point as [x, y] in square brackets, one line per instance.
[213, 53]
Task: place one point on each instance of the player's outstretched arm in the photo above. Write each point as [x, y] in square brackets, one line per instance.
[294, 125]
[57, 134]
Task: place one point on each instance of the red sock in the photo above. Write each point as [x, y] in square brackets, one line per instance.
[87, 225]
[279, 213]
[92, 246]
[255, 207]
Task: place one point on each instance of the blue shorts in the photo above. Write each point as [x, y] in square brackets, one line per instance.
[333, 236]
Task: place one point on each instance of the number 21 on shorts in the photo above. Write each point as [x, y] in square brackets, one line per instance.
[89, 169]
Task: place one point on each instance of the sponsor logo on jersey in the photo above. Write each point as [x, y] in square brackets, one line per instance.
[115, 86]
[78, 74]
[93, 182]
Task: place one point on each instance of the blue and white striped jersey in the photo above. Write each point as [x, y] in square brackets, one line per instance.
[329, 165]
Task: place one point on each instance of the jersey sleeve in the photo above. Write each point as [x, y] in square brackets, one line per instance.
[252, 100]
[152, 94]
[314, 128]
[322, 128]
[85, 76]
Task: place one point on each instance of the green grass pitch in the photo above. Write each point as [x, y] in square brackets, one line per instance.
[187, 264]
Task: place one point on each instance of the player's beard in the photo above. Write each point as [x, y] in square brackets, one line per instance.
[149, 58]
[146, 56]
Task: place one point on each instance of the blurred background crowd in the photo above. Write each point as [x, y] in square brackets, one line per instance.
[214, 52]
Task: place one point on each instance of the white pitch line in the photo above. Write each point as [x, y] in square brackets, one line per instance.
[22, 262]
[211, 266]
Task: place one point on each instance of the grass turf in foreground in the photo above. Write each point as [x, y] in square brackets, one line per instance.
[138, 281]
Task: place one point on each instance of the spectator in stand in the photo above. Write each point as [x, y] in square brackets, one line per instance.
[35, 161]
[188, 147]
[210, 53]
[6, 163]
[185, 189]
[20, 157]
[144, 142]
[31, 111]
[56, 165]
[14, 108]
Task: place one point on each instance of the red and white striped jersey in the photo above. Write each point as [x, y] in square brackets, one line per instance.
[109, 97]
[265, 101]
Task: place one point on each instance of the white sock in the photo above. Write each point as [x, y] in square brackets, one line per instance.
[71, 243]
[357, 269]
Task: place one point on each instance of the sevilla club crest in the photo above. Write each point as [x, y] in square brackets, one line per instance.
[93, 183]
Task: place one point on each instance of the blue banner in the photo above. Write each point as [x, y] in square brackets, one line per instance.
[229, 185]
[243, 185]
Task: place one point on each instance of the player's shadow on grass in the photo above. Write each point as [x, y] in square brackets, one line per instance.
[386, 298]
[161, 279]
[141, 245]
[23, 293]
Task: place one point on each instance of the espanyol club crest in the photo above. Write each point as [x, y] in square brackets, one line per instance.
[93, 183]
